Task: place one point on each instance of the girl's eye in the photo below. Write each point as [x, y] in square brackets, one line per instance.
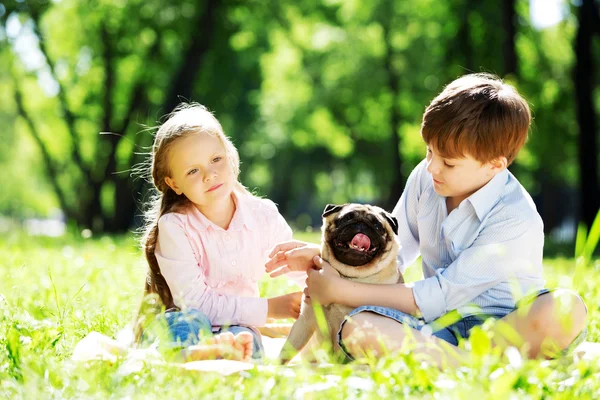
[217, 159]
[448, 165]
[192, 171]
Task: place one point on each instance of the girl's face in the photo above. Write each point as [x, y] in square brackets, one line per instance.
[200, 169]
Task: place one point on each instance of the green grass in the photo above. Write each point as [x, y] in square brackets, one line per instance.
[55, 291]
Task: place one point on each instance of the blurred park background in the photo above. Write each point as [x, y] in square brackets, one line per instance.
[323, 98]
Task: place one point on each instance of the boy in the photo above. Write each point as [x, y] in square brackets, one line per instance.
[476, 229]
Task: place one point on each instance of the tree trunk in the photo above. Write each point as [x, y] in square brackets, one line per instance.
[182, 87]
[281, 189]
[129, 192]
[464, 36]
[398, 179]
[510, 31]
[586, 116]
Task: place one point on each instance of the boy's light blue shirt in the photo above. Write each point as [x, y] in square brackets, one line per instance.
[481, 258]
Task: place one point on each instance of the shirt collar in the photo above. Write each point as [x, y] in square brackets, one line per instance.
[243, 213]
[485, 198]
[241, 216]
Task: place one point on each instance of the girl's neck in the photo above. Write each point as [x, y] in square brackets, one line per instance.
[220, 213]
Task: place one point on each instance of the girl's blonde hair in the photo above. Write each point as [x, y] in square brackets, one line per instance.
[186, 119]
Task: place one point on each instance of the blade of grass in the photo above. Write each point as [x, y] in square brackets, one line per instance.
[592, 239]
[56, 300]
[580, 240]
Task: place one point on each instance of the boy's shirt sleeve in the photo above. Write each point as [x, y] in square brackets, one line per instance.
[500, 252]
[406, 213]
[187, 281]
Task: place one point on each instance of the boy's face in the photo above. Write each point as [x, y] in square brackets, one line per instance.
[459, 178]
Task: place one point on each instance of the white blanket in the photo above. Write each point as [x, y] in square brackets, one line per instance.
[98, 347]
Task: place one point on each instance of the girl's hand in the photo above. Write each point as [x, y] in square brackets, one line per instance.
[291, 256]
[286, 306]
[323, 283]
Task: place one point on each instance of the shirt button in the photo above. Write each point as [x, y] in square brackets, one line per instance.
[233, 263]
[227, 237]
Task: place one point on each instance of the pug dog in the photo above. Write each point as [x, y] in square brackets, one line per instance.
[360, 242]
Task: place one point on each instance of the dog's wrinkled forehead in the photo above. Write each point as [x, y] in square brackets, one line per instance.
[336, 213]
[349, 213]
[339, 211]
[356, 210]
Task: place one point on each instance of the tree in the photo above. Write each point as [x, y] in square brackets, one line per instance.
[324, 99]
[585, 82]
[509, 17]
[136, 69]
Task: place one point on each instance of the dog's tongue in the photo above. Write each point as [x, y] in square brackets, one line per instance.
[361, 242]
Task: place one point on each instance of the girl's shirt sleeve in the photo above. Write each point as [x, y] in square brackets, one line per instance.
[181, 268]
[281, 232]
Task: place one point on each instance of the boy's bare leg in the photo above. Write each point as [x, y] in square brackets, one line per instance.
[546, 327]
[370, 333]
[224, 346]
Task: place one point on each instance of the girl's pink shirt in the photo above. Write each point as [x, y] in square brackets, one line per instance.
[216, 271]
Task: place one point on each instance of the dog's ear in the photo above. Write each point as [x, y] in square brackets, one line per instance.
[392, 221]
[330, 209]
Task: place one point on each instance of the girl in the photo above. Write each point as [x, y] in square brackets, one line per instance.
[207, 240]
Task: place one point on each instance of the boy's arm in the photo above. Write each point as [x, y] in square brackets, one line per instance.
[507, 250]
[326, 286]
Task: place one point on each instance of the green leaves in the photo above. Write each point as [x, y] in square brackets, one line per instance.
[480, 342]
[335, 87]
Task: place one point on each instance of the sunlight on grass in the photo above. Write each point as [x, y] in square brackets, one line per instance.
[54, 291]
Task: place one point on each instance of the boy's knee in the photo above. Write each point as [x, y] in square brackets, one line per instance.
[352, 331]
[354, 325]
[571, 305]
[364, 333]
[559, 313]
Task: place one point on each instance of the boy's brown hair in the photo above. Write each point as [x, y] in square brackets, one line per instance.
[477, 115]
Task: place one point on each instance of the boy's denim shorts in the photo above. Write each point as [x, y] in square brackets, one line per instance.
[450, 333]
[188, 327]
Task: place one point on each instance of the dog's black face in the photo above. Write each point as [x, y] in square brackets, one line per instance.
[358, 234]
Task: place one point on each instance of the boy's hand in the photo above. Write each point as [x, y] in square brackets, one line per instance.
[291, 256]
[286, 306]
[323, 282]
